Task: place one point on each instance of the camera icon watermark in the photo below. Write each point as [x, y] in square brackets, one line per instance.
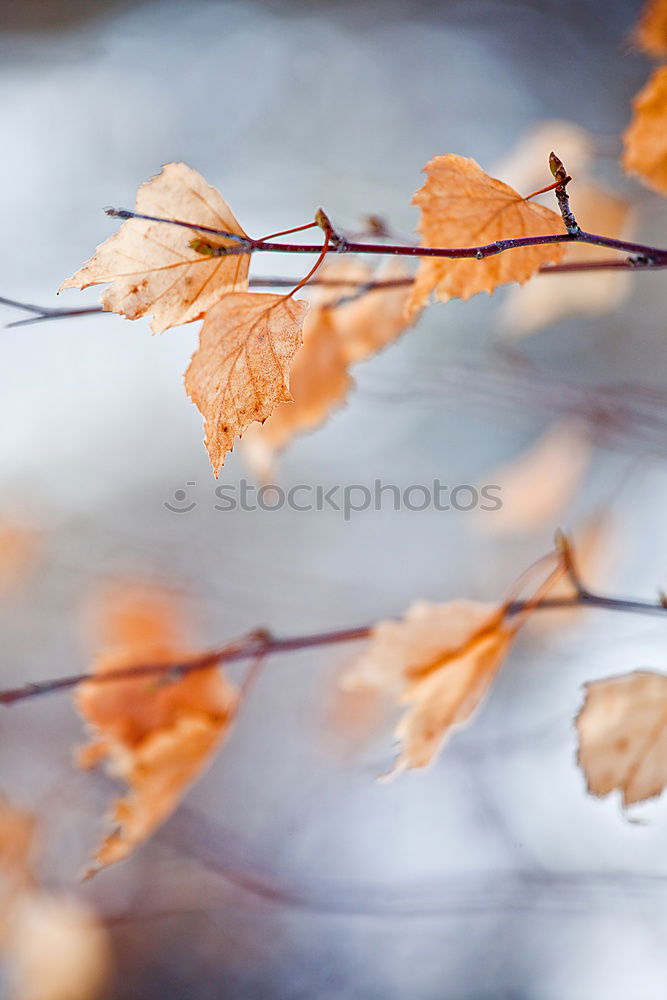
[181, 502]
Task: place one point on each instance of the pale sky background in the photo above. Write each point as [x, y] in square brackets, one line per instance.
[493, 874]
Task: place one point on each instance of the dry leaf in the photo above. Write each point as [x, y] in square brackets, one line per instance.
[439, 660]
[240, 372]
[154, 734]
[461, 206]
[537, 485]
[526, 165]
[549, 298]
[55, 950]
[651, 32]
[152, 268]
[622, 731]
[319, 381]
[336, 333]
[645, 140]
[447, 700]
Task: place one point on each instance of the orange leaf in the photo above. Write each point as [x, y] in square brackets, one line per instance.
[240, 371]
[154, 734]
[152, 268]
[540, 482]
[549, 298]
[440, 661]
[651, 32]
[334, 335]
[645, 140]
[319, 381]
[461, 206]
[622, 731]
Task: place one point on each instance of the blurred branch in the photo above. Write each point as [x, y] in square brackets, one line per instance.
[260, 643]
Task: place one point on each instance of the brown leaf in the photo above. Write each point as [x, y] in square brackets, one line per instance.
[645, 140]
[240, 371]
[651, 31]
[549, 298]
[461, 206]
[336, 333]
[152, 268]
[154, 734]
[447, 699]
[537, 485]
[319, 381]
[622, 731]
[440, 661]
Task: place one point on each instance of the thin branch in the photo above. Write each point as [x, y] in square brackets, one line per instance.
[649, 256]
[653, 256]
[260, 644]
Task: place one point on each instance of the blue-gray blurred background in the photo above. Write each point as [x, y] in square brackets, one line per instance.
[290, 873]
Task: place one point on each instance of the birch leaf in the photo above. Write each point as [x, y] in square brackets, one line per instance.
[462, 206]
[240, 372]
[439, 661]
[319, 381]
[155, 734]
[151, 267]
[622, 730]
[345, 324]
